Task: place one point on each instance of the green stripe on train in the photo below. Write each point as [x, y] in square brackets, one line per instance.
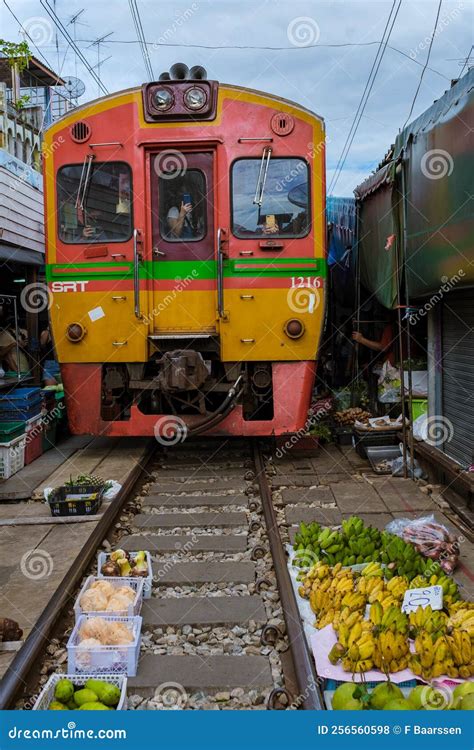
[190, 269]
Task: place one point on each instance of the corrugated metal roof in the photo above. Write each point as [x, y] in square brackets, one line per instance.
[383, 176]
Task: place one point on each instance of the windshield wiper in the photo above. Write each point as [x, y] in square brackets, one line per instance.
[262, 176]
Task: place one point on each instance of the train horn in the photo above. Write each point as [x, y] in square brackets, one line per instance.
[165, 76]
[179, 72]
[198, 73]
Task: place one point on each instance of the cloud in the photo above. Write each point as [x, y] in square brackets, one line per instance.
[328, 80]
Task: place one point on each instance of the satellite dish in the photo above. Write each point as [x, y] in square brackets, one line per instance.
[74, 87]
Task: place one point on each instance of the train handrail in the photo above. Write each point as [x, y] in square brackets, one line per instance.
[220, 274]
[136, 273]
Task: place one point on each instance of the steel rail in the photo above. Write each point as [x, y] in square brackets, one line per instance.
[309, 684]
[18, 671]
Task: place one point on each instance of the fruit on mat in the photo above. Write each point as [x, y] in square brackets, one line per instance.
[344, 697]
[94, 706]
[391, 618]
[57, 706]
[462, 618]
[372, 569]
[398, 704]
[85, 696]
[467, 703]
[424, 618]
[460, 692]
[105, 691]
[64, 691]
[383, 693]
[391, 651]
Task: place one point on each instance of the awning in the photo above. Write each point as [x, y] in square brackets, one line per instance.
[21, 255]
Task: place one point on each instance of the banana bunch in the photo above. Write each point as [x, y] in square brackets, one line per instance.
[391, 651]
[344, 621]
[462, 619]
[432, 657]
[373, 569]
[354, 601]
[400, 557]
[397, 586]
[454, 607]
[424, 618]
[449, 585]
[355, 646]
[460, 646]
[385, 598]
[353, 526]
[391, 618]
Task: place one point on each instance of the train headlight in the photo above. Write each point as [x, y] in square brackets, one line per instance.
[163, 99]
[75, 332]
[294, 328]
[195, 98]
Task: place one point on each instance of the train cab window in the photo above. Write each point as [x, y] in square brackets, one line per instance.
[283, 188]
[182, 206]
[95, 205]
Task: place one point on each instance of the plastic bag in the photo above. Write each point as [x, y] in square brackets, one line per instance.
[430, 538]
[389, 384]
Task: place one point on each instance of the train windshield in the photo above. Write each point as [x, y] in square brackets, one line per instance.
[284, 211]
[94, 202]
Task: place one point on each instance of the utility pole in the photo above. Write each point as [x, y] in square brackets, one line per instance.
[74, 21]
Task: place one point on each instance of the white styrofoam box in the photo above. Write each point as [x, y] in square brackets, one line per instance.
[99, 660]
[47, 693]
[103, 557]
[134, 608]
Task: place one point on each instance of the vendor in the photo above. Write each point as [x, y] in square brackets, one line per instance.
[13, 341]
[385, 346]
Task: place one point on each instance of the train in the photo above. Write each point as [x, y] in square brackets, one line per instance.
[186, 259]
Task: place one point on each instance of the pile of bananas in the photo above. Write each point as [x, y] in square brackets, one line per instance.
[357, 543]
[461, 616]
[330, 590]
[428, 620]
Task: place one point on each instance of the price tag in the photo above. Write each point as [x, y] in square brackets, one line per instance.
[430, 596]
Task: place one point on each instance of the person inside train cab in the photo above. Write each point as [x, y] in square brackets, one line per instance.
[179, 221]
[184, 207]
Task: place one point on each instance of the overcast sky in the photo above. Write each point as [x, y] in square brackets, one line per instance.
[329, 80]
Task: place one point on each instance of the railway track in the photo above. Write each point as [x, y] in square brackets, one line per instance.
[221, 630]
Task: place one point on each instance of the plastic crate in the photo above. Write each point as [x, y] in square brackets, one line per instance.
[20, 404]
[102, 558]
[11, 430]
[12, 457]
[63, 503]
[134, 607]
[364, 440]
[47, 694]
[33, 440]
[23, 397]
[105, 659]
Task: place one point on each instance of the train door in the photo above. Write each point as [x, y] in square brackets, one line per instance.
[183, 264]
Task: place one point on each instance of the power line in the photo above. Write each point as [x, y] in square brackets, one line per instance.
[59, 25]
[366, 93]
[466, 61]
[426, 62]
[141, 37]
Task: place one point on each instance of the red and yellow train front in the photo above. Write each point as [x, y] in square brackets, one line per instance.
[185, 259]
